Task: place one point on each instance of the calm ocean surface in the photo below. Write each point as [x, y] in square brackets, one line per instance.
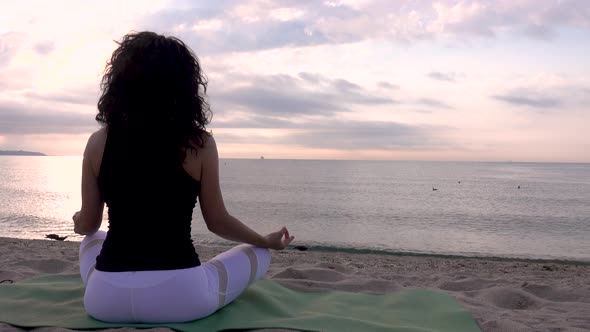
[381, 205]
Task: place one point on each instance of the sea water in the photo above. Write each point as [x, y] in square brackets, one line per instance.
[526, 210]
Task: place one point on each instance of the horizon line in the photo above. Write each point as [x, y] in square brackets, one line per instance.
[377, 160]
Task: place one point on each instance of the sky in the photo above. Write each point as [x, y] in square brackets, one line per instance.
[368, 79]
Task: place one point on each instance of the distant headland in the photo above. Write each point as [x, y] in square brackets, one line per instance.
[20, 153]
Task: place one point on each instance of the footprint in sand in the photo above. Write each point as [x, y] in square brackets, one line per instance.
[508, 298]
[334, 266]
[552, 294]
[467, 284]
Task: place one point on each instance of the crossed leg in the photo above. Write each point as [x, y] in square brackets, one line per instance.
[89, 249]
[221, 280]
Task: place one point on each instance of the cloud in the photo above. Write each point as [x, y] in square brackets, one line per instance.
[433, 103]
[544, 92]
[216, 29]
[9, 44]
[23, 119]
[387, 85]
[87, 95]
[530, 101]
[237, 26]
[44, 47]
[286, 96]
[423, 111]
[352, 135]
[446, 77]
[534, 18]
[307, 110]
[312, 78]
[344, 85]
[279, 102]
[230, 26]
[332, 133]
[255, 121]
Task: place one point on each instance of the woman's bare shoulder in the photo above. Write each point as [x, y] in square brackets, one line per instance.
[204, 150]
[95, 148]
[200, 155]
[209, 142]
[98, 137]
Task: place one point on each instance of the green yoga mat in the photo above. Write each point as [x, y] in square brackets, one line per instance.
[56, 300]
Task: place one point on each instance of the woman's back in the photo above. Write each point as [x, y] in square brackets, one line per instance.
[150, 200]
[149, 163]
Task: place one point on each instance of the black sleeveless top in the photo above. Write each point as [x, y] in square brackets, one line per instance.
[150, 200]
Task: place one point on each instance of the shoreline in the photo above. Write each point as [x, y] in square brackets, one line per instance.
[506, 295]
[387, 252]
[361, 251]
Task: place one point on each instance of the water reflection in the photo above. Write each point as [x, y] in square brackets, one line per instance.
[39, 195]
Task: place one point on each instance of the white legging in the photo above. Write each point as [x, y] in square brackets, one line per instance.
[170, 295]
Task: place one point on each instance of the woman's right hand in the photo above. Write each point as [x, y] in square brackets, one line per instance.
[279, 240]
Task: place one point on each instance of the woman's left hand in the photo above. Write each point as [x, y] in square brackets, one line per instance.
[279, 240]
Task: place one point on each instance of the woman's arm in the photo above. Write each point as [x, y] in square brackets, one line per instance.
[218, 220]
[89, 218]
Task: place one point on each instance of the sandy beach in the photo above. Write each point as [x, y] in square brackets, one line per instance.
[502, 295]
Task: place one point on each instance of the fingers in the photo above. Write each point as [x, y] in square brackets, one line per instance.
[289, 240]
[283, 237]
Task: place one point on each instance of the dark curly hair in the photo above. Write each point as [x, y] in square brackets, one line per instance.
[154, 85]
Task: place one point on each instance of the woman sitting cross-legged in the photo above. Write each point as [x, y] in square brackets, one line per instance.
[149, 163]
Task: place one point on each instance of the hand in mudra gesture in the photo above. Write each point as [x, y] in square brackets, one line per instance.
[279, 240]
